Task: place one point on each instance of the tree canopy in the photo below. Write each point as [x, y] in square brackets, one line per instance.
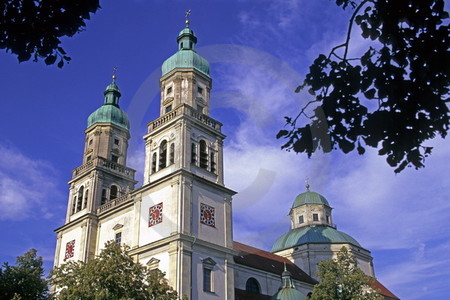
[113, 275]
[33, 29]
[394, 97]
[25, 279]
[341, 279]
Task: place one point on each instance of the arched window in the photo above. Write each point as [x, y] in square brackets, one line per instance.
[80, 198]
[193, 154]
[85, 198]
[252, 286]
[172, 154]
[163, 155]
[113, 192]
[203, 155]
[103, 201]
[154, 163]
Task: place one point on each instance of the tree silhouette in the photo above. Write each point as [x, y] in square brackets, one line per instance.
[34, 28]
[393, 98]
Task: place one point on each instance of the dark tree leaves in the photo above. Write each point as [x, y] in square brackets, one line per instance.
[25, 279]
[33, 29]
[393, 98]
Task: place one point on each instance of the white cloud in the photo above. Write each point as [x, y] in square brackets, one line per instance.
[136, 160]
[25, 186]
[267, 179]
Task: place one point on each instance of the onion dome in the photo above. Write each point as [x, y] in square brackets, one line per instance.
[312, 235]
[186, 56]
[287, 290]
[309, 197]
[110, 111]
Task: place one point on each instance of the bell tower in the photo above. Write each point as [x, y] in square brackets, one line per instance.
[185, 92]
[189, 227]
[102, 178]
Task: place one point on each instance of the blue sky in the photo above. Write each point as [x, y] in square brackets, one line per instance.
[259, 52]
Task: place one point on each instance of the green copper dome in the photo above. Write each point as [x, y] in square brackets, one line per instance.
[309, 197]
[186, 57]
[312, 234]
[287, 291]
[288, 294]
[110, 111]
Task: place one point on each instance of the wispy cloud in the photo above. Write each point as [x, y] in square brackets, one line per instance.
[25, 185]
[424, 267]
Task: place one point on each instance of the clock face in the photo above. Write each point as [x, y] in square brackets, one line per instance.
[207, 215]
[155, 214]
[70, 249]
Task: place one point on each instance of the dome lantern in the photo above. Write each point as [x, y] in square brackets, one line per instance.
[110, 111]
[186, 57]
[287, 290]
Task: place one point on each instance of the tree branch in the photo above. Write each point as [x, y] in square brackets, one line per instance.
[350, 25]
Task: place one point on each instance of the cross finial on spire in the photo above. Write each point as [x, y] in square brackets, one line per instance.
[188, 13]
[114, 73]
[307, 183]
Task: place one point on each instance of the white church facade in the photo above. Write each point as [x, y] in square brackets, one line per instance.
[180, 219]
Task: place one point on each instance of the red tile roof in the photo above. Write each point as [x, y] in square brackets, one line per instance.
[266, 261]
[269, 262]
[383, 290]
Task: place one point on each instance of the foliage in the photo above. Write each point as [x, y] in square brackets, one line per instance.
[393, 98]
[113, 275]
[341, 279]
[34, 28]
[24, 281]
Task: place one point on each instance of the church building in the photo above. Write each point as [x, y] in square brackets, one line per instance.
[180, 219]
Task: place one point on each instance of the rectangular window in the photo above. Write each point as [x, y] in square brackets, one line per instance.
[301, 220]
[168, 108]
[207, 280]
[114, 158]
[88, 158]
[213, 162]
[118, 238]
[154, 163]
[169, 90]
[90, 142]
[116, 142]
[193, 154]
[199, 90]
[328, 219]
[315, 217]
[103, 201]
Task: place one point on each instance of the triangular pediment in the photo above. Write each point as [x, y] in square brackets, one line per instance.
[209, 262]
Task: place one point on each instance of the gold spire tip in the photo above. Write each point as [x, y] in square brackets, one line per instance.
[114, 76]
[187, 14]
